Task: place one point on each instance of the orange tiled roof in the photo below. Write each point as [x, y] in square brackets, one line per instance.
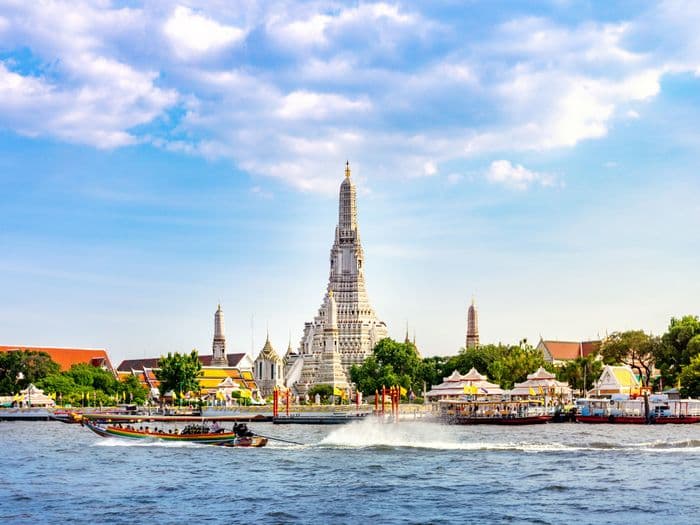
[562, 350]
[67, 357]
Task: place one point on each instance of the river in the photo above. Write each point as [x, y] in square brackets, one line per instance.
[364, 472]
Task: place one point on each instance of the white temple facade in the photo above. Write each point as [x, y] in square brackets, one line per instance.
[358, 328]
[268, 369]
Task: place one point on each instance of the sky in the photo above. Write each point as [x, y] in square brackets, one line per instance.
[159, 158]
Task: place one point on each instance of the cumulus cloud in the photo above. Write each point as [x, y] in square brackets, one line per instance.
[98, 113]
[398, 90]
[516, 176]
[192, 34]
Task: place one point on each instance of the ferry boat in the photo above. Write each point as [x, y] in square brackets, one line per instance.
[623, 409]
[191, 434]
[470, 412]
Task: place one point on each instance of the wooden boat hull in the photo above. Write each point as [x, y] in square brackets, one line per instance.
[639, 420]
[526, 420]
[228, 439]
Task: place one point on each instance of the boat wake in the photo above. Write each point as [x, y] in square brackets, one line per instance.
[372, 433]
[116, 442]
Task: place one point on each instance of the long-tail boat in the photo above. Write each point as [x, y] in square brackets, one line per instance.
[202, 435]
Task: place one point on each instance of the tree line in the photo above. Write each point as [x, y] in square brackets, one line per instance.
[81, 385]
[669, 360]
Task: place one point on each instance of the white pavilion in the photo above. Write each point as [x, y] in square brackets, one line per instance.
[457, 385]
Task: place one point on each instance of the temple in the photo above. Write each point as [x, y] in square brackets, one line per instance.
[219, 342]
[268, 369]
[472, 327]
[357, 328]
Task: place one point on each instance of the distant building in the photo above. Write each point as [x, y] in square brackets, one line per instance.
[415, 346]
[268, 369]
[542, 382]
[616, 380]
[457, 385]
[472, 340]
[220, 371]
[559, 352]
[67, 357]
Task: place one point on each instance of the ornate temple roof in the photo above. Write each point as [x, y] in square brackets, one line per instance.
[268, 353]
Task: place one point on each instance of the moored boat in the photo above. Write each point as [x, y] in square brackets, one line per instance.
[626, 410]
[469, 412]
[200, 435]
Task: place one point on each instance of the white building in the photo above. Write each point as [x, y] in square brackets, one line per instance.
[358, 328]
[268, 369]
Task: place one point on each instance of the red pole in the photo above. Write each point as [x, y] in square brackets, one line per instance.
[274, 403]
[396, 404]
[357, 399]
[376, 402]
[288, 392]
[383, 397]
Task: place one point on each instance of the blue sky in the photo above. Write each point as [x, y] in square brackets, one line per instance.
[158, 159]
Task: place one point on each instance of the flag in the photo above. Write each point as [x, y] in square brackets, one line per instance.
[540, 389]
[337, 391]
[475, 389]
[246, 393]
[403, 391]
[467, 389]
[532, 391]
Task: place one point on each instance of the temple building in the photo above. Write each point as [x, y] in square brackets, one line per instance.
[560, 352]
[472, 327]
[358, 328]
[220, 371]
[457, 385]
[67, 357]
[268, 369]
[542, 382]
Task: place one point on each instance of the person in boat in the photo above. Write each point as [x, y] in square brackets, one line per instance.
[241, 430]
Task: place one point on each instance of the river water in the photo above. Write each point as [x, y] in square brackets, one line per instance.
[364, 472]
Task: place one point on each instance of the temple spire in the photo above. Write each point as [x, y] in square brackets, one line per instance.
[472, 326]
[219, 342]
[347, 169]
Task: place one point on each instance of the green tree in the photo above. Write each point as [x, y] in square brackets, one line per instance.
[690, 378]
[325, 391]
[134, 390]
[94, 378]
[21, 367]
[179, 372]
[633, 348]
[581, 373]
[514, 366]
[390, 364]
[680, 344]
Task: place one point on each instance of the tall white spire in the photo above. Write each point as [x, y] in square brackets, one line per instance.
[472, 326]
[357, 324]
[219, 342]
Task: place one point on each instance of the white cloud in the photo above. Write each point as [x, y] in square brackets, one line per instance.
[192, 34]
[413, 93]
[318, 106]
[516, 176]
[98, 113]
[429, 169]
